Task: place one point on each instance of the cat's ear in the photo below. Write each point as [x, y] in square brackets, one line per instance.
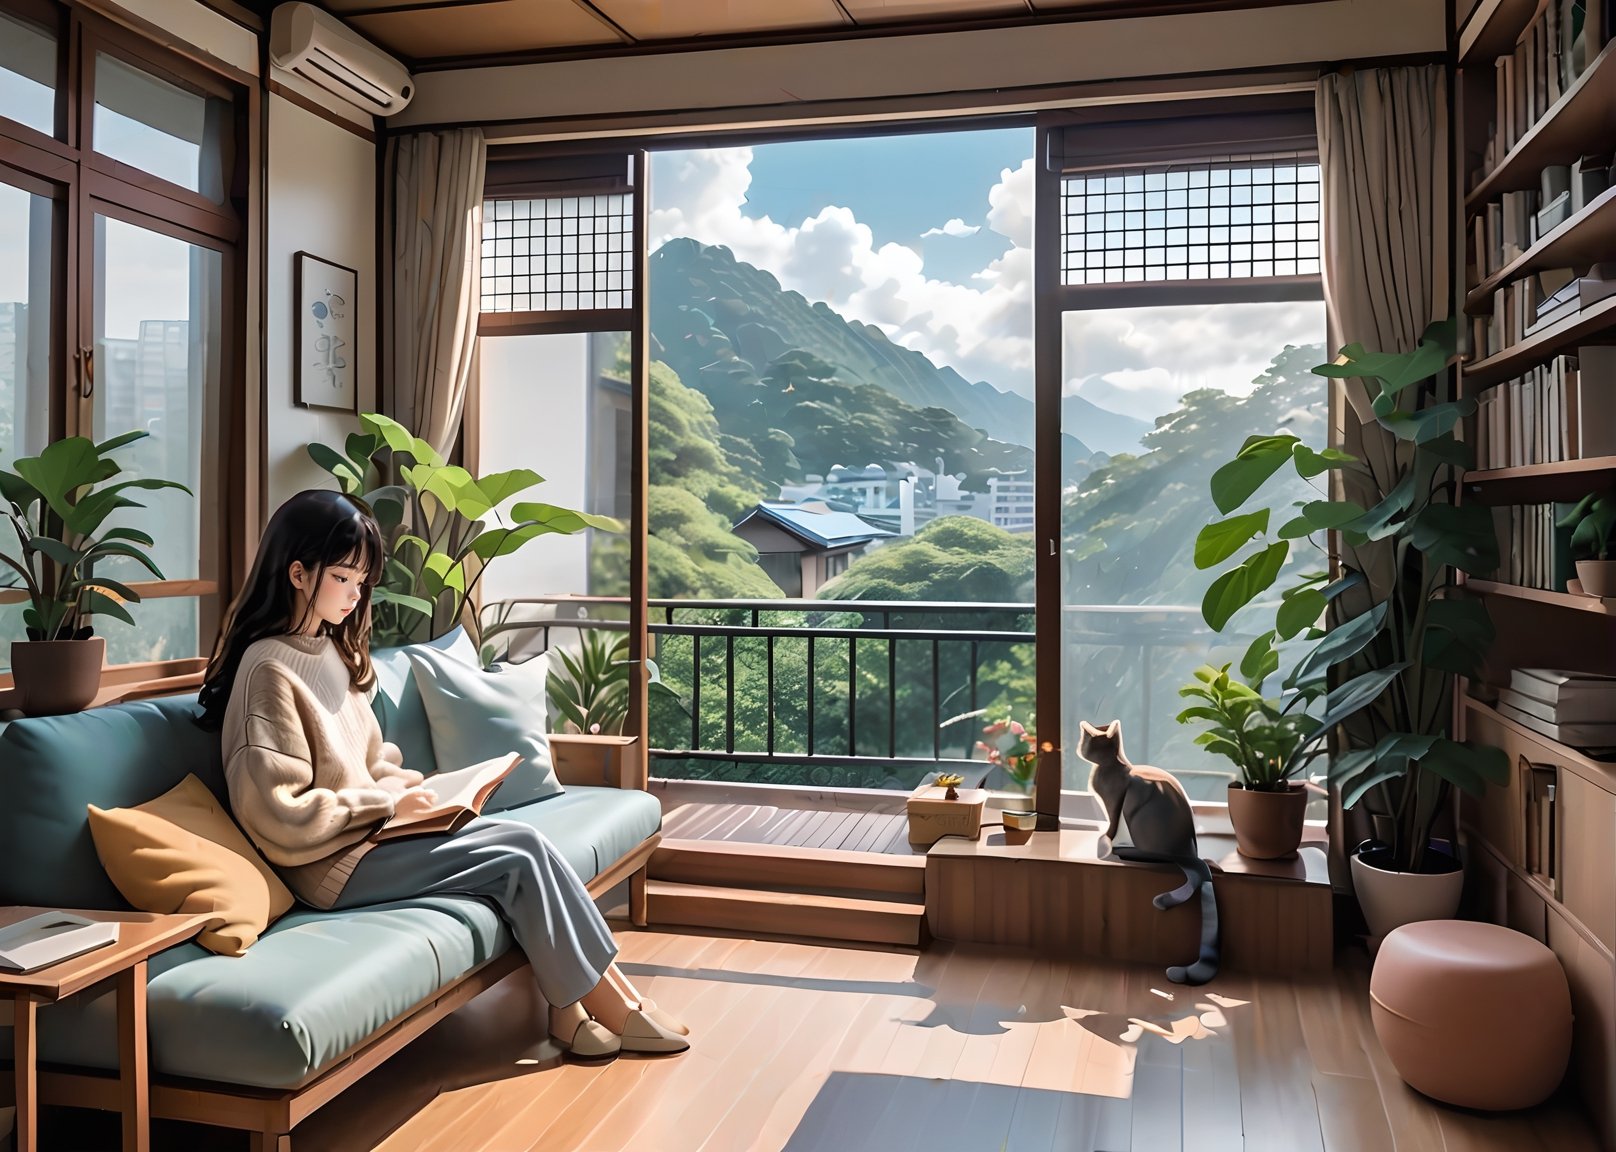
[1088, 729]
[1114, 729]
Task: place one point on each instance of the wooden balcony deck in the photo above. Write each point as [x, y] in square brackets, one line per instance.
[845, 830]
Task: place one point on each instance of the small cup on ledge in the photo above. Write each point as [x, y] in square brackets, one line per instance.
[1018, 826]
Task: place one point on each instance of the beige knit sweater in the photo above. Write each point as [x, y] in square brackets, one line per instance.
[309, 774]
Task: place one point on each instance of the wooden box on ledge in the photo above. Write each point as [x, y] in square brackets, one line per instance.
[932, 815]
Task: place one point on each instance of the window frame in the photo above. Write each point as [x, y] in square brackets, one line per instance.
[82, 184]
[1160, 143]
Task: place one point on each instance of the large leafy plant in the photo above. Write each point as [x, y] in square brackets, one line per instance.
[57, 504]
[441, 525]
[1400, 630]
[1268, 740]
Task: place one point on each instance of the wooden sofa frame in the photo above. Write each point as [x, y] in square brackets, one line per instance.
[270, 1116]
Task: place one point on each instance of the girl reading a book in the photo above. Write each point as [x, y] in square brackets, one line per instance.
[311, 779]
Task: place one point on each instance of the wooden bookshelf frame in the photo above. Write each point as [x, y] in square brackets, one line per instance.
[1540, 483]
[1586, 112]
[1593, 604]
[1583, 239]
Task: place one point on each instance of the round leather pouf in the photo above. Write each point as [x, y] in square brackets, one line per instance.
[1472, 1014]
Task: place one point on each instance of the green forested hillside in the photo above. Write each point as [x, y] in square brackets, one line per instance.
[800, 390]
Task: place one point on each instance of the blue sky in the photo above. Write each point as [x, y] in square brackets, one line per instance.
[898, 185]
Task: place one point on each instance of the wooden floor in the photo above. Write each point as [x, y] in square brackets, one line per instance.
[850, 830]
[956, 1049]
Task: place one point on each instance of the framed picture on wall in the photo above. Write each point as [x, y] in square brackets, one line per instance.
[326, 334]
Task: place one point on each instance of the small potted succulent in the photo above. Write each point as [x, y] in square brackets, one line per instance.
[1593, 542]
[57, 505]
[1266, 740]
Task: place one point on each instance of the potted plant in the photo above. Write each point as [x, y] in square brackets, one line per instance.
[1400, 629]
[1593, 524]
[1013, 747]
[441, 526]
[57, 504]
[1267, 740]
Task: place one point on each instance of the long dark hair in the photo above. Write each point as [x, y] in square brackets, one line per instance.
[320, 529]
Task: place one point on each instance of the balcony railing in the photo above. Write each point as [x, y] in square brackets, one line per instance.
[862, 692]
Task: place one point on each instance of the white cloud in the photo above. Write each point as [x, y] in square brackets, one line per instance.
[982, 329]
[955, 227]
[1138, 360]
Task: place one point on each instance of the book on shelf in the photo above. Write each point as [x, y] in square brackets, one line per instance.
[1592, 736]
[461, 795]
[1538, 786]
[1580, 710]
[1561, 42]
[1563, 686]
[1533, 550]
[1563, 409]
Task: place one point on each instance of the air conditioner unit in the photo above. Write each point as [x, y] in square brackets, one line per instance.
[323, 50]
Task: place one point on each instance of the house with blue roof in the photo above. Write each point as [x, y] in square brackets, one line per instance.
[803, 546]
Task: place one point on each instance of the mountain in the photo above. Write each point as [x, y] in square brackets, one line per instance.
[797, 389]
[1109, 432]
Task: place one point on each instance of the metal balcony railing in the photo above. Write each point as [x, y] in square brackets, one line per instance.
[864, 687]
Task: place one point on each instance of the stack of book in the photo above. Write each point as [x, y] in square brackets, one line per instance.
[1533, 550]
[1564, 409]
[1577, 709]
[1560, 43]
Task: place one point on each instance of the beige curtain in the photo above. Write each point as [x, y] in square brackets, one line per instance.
[433, 221]
[1387, 220]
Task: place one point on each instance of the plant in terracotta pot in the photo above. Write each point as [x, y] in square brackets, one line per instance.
[1593, 542]
[1268, 742]
[57, 505]
[1400, 629]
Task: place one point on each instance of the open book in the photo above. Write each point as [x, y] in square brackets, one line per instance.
[461, 796]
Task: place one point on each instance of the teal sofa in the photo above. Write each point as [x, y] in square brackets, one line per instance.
[258, 1041]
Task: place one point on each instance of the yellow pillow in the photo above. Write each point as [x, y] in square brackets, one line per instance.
[183, 853]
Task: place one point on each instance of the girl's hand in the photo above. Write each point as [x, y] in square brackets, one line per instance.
[414, 802]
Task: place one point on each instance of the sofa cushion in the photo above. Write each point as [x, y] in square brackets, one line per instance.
[315, 985]
[397, 702]
[592, 827]
[183, 853]
[52, 768]
[477, 715]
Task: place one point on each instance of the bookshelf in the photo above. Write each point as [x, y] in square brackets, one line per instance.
[1584, 114]
[1580, 240]
[1593, 325]
[1540, 483]
[1541, 866]
[1605, 607]
[1492, 29]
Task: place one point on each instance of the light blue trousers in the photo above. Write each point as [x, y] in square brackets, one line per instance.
[548, 908]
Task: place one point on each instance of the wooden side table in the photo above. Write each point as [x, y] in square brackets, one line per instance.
[141, 935]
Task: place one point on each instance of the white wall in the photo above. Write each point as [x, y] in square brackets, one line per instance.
[321, 198]
[971, 63]
[535, 392]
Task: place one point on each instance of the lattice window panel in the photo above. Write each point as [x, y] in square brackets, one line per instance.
[1234, 220]
[558, 254]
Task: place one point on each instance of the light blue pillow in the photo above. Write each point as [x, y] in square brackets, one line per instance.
[397, 702]
[476, 715]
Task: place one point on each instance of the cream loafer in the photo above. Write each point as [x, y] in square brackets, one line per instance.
[591, 1040]
[643, 1034]
[650, 1008]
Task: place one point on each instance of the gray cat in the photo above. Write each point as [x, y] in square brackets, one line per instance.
[1162, 829]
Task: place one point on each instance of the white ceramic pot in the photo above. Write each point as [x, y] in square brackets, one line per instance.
[1391, 899]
